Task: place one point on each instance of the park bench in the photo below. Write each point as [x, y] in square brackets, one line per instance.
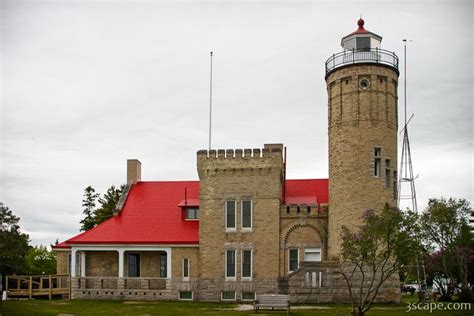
[272, 301]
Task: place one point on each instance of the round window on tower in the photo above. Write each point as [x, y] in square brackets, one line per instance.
[364, 84]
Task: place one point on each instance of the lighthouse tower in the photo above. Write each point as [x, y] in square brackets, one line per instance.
[362, 99]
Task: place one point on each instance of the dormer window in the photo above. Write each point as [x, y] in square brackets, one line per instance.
[192, 213]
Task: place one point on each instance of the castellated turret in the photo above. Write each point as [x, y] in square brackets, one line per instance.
[362, 126]
[231, 178]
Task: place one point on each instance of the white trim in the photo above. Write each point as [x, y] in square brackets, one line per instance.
[312, 250]
[242, 265]
[185, 278]
[230, 229]
[73, 262]
[83, 264]
[246, 229]
[289, 258]
[121, 250]
[232, 278]
[229, 299]
[185, 299]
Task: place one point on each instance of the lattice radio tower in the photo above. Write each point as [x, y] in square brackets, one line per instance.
[406, 179]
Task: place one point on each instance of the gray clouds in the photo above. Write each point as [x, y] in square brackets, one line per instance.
[88, 84]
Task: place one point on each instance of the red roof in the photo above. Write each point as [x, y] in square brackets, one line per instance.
[152, 213]
[361, 29]
[150, 216]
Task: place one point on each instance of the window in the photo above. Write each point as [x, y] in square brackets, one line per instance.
[192, 213]
[388, 179]
[293, 260]
[68, 263]
[186, 268]
[230, 215]
[185, 295]
[228, 296]
[230, 263]
[377, 154]
[248, 296]
[163, 265]
[134, 265]
[246, 214]
[246, 263]
[312, 254]
[363, 43]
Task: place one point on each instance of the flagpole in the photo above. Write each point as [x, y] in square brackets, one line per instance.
[210, 106]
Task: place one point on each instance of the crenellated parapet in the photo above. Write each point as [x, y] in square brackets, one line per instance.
[271, 156]
[303, 210]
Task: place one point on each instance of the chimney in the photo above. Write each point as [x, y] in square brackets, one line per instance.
[134, 171]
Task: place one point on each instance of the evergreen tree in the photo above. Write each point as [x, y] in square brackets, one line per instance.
[108, 203]
[88, 203]
[13, 243]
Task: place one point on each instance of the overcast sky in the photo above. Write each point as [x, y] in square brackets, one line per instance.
[87, 84]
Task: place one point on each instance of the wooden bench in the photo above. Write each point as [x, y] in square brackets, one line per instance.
[272, 301]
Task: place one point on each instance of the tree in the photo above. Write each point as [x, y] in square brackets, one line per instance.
[88, 203]
[370, 255]
[13, 243]
[40, 261]
[445, 227]
[108, 203]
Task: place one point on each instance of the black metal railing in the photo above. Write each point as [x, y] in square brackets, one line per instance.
[355, 56]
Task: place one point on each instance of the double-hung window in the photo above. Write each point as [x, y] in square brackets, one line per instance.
[246, 264]
[230, 264]
[246, 214]
[230, 215]
[293, 260]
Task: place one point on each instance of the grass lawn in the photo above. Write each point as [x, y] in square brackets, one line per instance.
[78, 307]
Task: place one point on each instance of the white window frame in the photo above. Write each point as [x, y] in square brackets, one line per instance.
[248, 278]
[246, 229]
[185, 299]
[185, 278]
[231, 229]
[313, 250]
[289, 259]
[230, 278]
[228, 299]
[248, 300]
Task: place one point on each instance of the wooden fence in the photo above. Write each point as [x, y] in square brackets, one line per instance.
[38, 285]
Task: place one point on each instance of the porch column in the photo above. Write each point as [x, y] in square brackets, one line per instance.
[120, 261]
[168, 263]
[73, 262]
[83, 263]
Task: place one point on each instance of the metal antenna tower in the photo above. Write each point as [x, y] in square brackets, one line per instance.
[406, 166]
[406, 179]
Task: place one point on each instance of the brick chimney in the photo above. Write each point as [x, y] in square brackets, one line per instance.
[134, 171]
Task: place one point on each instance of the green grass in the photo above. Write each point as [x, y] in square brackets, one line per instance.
[119, 308]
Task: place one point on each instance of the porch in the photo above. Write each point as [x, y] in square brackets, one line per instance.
[121, 272]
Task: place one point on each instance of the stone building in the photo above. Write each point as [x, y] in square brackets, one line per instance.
[243, 228]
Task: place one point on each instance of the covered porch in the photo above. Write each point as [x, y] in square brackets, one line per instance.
[120, 271]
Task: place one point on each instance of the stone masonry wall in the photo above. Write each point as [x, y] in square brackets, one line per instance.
[178, 254]
[102, 263]
[301, 230]
[241, 174]
[360, 120]
[322, 282]
[62, 261]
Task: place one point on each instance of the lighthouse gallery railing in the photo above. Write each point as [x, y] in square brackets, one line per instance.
[355, 56]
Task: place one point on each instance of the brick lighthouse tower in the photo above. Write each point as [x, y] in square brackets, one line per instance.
[362, 127]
